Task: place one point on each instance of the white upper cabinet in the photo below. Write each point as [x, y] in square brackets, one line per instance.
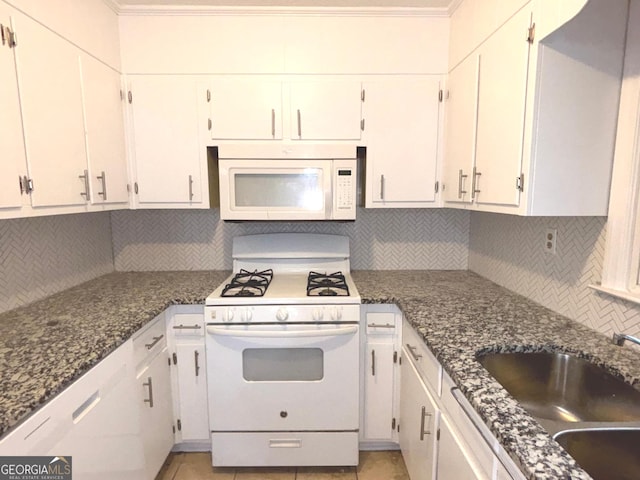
[325, 110]
[460, 141]
[51, 99]
[504, 59]
[14, 164]
[402, 118]
[543, 141]
[104, 120]
[245, 109]
[168, 155]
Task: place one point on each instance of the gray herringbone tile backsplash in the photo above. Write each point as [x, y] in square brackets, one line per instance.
[509, 250]
[42, 256]
[380, 239]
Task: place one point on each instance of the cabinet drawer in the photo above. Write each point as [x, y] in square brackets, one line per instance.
[380, 323]
[149, 341]
[422, 357]
[187, 325]
[276, 449]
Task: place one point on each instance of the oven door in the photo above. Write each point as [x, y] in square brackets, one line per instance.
[279, 377]
[275, 189]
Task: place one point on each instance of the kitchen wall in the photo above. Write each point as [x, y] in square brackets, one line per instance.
[509, 250]
[380, 239]
[44, 255]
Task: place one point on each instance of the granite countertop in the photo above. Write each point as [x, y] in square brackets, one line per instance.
[48, 344]
[460, 314]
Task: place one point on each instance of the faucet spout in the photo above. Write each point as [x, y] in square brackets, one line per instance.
[619, 338]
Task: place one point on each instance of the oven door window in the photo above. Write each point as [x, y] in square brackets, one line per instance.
[300, 189]
[282, 364]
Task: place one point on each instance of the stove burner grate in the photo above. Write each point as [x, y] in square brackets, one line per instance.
[323, 284]
[248, 284]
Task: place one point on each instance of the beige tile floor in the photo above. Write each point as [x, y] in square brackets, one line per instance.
[387, 465]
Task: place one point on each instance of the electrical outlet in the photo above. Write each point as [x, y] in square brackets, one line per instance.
[550, 239]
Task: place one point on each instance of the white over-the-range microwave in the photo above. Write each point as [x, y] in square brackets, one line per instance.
[288, 183]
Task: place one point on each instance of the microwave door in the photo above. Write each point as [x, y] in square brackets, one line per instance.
[275, 190]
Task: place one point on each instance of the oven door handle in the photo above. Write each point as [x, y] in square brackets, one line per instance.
[212, 330]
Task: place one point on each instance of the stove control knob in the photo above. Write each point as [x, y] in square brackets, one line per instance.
[229, 316]
[317, 314]
[336, 314]
[282, 314]
[249, 314]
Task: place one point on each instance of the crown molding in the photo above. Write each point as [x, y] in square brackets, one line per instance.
[134, 10]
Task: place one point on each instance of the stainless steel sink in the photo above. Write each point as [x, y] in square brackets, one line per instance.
[563, 388]
[604, 454]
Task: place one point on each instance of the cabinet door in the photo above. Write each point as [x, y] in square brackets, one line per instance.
[401, 130]
[166, 144]
[14, 161]
[246, 109]
[504, 60]
[378, 389]
[192, 391]
[156, 416]
[460, 134]
[453, 460]
[51, 99]
[328, 110]
[104, 121]
[418, 423]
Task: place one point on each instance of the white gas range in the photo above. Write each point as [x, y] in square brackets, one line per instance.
[283, 354]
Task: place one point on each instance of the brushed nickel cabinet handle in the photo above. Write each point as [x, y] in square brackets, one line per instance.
[412, 351]
[196, 354]
[149, 385]
[190, 187]
[85, 177]
[22, 186]
[474, 183]
[154, 342]
[381, 187]
[186, 327]
[373, 363]
[380, 325]
[103, 178]
[299, 125]
[423, 417]
[461, 178]
[273, 123]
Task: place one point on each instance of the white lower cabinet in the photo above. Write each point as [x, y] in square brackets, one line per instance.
[153, 395]
[380, 376]
[189, 377]
[458, 445]
[419, 419]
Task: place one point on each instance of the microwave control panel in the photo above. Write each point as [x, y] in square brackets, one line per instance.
[345, 181]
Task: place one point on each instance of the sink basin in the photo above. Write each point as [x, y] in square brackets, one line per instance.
[604, 454]
[564, 388]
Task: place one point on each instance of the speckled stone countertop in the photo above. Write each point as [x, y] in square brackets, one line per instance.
[460, 314]
[46, 345]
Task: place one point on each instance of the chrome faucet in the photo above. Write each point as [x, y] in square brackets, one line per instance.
[619, 338]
